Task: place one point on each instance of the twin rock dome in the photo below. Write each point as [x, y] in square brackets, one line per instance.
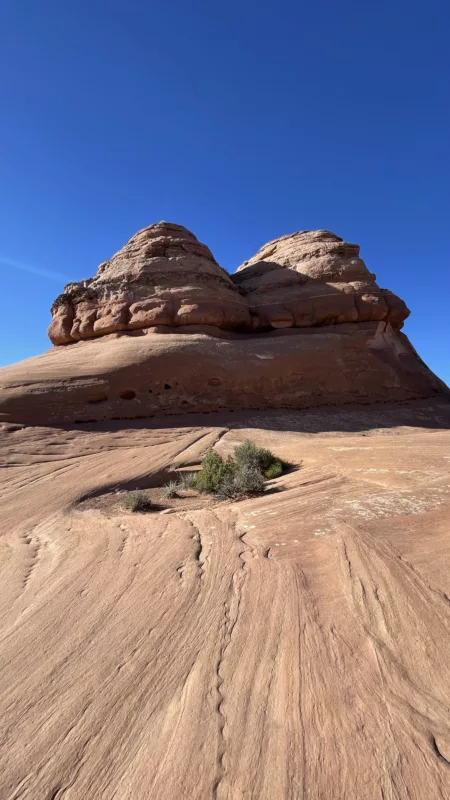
[163, 329]
[165, 277]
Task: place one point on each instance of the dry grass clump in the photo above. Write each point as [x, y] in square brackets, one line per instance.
[171, 490]
[137, 501]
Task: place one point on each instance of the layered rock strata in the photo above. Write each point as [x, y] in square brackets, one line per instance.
[162, 276]
[123, 376]
[165, 276]
[163, 329]
[314, 278]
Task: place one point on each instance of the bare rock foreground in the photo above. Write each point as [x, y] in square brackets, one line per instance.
[293, 645]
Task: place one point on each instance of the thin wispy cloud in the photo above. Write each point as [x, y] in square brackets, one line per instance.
[9, 263]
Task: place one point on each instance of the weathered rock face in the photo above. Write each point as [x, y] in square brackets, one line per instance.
[314, 278]
[162, 276]
[169, 331]
[203, 370]
[165, 276]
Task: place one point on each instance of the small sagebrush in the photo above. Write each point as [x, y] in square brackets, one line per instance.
[246, 480]
[249, 454]
[241, 475]
[137, 501]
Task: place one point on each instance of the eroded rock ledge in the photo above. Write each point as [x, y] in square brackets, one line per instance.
[165, 276]
[314, 278]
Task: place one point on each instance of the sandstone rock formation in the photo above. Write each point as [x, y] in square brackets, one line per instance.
[292, 645]
[165, 276]
[162, 276]
[162, 328]
[314, 278]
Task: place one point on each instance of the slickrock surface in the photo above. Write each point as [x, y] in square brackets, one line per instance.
[290, 647]
[122, 377]
[162, 328]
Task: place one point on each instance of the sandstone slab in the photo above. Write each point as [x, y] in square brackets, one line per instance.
[291, 646]
[195, 370]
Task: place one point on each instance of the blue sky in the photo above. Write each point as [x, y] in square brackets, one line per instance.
[241, 120]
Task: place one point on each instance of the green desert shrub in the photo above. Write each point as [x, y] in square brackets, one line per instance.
[212, 473]
[244, 480]
[274, 470]
[259, 457]
[242, 474]
[250, 455]
[137, 501]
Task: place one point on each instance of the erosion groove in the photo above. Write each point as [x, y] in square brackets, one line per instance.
[291, 645]
[231, 609]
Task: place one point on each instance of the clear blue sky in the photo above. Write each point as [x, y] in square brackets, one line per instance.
[241, 120]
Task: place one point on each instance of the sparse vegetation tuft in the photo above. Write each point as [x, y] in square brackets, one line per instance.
[188, 480]
[171, 490]
[241, 475]
[137, 501]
